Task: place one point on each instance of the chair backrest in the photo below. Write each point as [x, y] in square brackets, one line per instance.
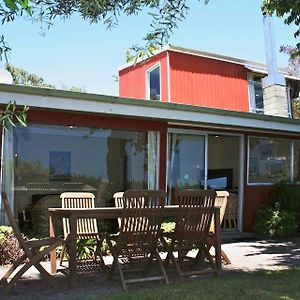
[118, 196]
[13, 222]
[79, 200]
[194, 220]
[221, 201]
[197, 197]
[141, 217]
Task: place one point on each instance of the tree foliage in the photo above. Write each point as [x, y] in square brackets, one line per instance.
[287, 9]
[165, 15]
[23, 77]
[294, 70]
[13, 114]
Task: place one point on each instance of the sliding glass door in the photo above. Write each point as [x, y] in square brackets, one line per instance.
[186, 162]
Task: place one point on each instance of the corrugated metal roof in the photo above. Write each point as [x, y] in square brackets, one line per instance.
[259, 67]
[265, 71]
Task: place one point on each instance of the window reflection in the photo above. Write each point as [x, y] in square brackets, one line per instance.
[269, 160]
[48, 160]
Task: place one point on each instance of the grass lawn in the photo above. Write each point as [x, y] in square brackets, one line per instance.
[283, 285]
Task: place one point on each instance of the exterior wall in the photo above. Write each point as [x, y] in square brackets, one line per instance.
[254, 198]
[256, 195]
[132, 80]
[207, 82]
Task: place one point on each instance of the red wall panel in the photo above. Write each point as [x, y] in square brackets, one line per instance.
[208, 82]
[132, 80]
[254, 198]
[43, 116]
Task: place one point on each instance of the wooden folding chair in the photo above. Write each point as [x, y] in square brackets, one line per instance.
[138, 236]
[86, 228]
[118, 198]
[33, 253]
[221, 201]
[191, 231]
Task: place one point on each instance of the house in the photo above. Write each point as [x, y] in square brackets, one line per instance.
[179, 75]
[75, 140]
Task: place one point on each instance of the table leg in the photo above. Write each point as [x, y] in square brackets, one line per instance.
[53, 252]
[218, 238]
[73, 246]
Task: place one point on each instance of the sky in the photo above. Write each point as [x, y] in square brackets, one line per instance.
[75, 53]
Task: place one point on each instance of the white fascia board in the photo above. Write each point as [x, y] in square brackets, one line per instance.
[265, 71]
[148, 112]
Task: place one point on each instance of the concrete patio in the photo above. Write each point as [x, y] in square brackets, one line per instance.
[246, 255]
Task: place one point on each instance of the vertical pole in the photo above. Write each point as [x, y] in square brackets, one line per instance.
[52, 234]
[273, 76]
[72, 261]
[218, 238]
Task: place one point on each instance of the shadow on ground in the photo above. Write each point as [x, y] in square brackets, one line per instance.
[246, 256]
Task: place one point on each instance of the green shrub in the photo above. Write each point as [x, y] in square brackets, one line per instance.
[86, 249]
[10, 249]
[288, 197]
[3, 231]
[275, 222]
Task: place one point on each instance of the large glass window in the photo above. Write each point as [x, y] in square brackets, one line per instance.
[269, 160]
[256, 94]
[47, 160]
[153, 77]
[186, 163]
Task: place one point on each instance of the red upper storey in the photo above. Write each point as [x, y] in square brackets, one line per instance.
[191, 77]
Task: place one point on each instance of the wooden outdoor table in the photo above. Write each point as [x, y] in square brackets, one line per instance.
[110, 213]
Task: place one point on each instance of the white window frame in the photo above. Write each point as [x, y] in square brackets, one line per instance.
[251, 95]
[148, 71]
[241, 158]
[291, 152]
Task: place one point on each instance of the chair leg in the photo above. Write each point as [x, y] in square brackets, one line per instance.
[32, 261]
[210, 259]
[98, 250]
[48, 277]
[113, 266]
[117, 263]
[177, 267]
[12, 268]
[200, 256]
[161, 266]
[225, 257]
[62, 254]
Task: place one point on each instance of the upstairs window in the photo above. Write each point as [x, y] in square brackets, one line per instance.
[256, 94]
[153, 83]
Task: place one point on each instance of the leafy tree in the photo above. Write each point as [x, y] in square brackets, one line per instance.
[165, 14]
[12, 114]
[23, 77]
[293, 69]
[287, 9]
